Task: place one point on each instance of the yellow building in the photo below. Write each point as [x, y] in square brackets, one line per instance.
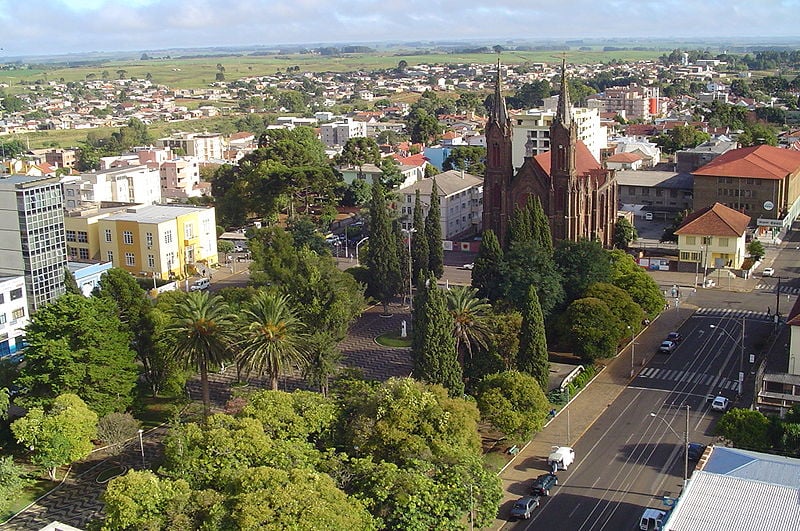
[167, 241]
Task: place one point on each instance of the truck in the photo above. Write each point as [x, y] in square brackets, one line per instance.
[560, 458]
[652, 519]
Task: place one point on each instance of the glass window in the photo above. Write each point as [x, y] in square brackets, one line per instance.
[149, 239]
[18, 313]
[2, 318]
[130, 259]
[151, 261]
[188, 230]
[15, 294]
[168, 236]
[83, 237]
[83, 254]
[70, 235]
[110, 256]
[691, 240]
[127, 237]
[108, 235]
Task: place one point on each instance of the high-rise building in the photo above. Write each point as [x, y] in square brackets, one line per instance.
[32, 240]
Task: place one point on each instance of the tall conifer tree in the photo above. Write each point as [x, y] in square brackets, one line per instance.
[382, 257]
[532, 357]
[540, 226]
[419, 242]
[433, 233]
[486, 274]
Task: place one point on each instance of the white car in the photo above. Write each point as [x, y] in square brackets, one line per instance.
[200, 284]
[768, 272]
[469, 266]
[720, 403]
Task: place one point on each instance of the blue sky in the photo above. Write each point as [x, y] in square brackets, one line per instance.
[32, 27]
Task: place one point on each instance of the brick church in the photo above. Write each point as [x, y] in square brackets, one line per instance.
[578, 195]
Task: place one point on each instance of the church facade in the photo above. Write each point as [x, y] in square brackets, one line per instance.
[578, 195]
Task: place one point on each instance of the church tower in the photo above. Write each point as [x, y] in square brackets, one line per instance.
[563, 169]
[497, 201]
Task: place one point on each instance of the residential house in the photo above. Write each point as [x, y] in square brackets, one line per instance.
[712, 238]
[206, 147]
[624, 161]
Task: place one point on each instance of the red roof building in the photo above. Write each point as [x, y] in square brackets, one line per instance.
[713, 237]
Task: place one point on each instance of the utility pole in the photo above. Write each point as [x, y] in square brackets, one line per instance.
[686, 450]
[741, 362]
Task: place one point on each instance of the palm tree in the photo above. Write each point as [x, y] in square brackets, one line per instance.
[275, 339]
[204, 328]
[469, 312]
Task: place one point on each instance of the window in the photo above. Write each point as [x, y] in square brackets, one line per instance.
[70, 235]
[631, 190]
[659, 192]
[723, 242]
[108, 235]
[15, 294]
[72, 252]
[127, 237]
[151, 261]
[110, 256]
[2, 318]
[168, 236]
[130, 259]
[149, 239]
[83, 237]
[18, 313]
[188, 231]
[2, 298]
[645, 191]
[706, 240]
[83, 254]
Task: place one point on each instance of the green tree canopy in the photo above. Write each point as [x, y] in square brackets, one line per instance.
[470, 159]
[514, 403]
[624, 233]
[487, 268]
[745, 429]
[581, 264]
[433, 233]
[526, 264]
[382, 257]
[629, 276]
[592, 328]
[533, 357]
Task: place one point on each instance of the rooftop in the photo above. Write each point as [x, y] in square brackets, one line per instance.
[154, 213]
[716, 220]
[655, 178]
[449, 183]
[755, 162]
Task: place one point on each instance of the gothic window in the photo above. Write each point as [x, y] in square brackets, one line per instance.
[495, 158]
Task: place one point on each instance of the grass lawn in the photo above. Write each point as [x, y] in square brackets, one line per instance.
[393, 339]
[34, 490]
[155, 411]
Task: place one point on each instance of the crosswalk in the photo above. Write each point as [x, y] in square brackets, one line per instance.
[733, 314]
[689, 377]
[789, 290]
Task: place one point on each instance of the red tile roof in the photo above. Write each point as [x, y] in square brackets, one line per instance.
[716, 220]
[414, 160]
[793, 319]
[624, 157]
[584, 160]
[756, 162]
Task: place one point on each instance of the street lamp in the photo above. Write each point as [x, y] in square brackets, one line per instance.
[685, 442]
[408, 233]
[362, 240]
[141, 445]
[741, 353]
[633, 349]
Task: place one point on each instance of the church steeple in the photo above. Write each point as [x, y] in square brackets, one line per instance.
[564, 110]
[499, 110]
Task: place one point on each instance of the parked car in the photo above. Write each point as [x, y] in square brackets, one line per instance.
[696, 451]
[560, 458]
[720, 403]
[200, 284]
[652, 519]
[648, 216]
[667, 347]
[675, 337]
[543, 484]
[469, 266]
[523, 507]
[768, 272]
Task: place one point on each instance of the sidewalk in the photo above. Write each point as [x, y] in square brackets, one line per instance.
[584, 410]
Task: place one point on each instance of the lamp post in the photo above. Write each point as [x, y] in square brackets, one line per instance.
[141, 445]
[408, 233]
[741, 353]
[362, 240]
[633, 349]
[685, 442]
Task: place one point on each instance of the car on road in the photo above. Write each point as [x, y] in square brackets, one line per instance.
[200, 284]
[648, 216]
[543, 484]
[696, 451]
[675, 337]
[524, 507]
[469, 266]
[652, 519]
[667, 347]
[560, 458]
[720, 403]
[768, 272]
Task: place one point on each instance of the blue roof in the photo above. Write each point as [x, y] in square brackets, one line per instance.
[774, 469]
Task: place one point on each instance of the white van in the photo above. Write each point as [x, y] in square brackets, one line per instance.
[200, 284]
[561, 458]
[652, 519]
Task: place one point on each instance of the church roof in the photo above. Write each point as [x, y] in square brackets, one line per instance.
[716, 220]
[584, 160]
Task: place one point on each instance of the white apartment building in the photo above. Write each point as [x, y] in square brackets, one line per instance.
[460, 202]
[32, 238]
[532, 129]
[14, 315]
[206, 146]
[338, 133]
[126, 184]
[179, 178]
[635, 102]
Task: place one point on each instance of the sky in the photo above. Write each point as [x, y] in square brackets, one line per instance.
[43, 27]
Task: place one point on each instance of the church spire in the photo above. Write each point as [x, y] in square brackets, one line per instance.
[499, 111]
[564, 110]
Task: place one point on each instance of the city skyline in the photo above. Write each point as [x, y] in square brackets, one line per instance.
[46, 27]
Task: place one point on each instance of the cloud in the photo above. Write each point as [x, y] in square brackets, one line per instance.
[60, 26]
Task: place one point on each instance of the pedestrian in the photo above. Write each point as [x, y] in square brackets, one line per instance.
[769, 310]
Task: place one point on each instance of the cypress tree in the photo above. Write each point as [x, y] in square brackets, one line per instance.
[486, 274]
[419, 242]
[532, 356]
[402, 256]
[382, 258]
[433, 346]
[541, 226]
[433, 233]
[520, 227]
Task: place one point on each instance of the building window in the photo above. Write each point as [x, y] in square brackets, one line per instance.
[168, 236]
[723, 242]
[706, 240]
[110, 256]
[19, 313]
[631, 190]
[645, 191]
[83, 237]
[70, 235]
[127, 237]
[108, 235]
[15, 294]
[2, 318]
[188, 231]
[130, 259]
[149, 239]
[83, 254]
[151, 260]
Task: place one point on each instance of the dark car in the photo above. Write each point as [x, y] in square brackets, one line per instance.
[675, 337]
[696, 451]
[523, 507]
[543, 484]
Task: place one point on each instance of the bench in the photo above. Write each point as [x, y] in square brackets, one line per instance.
[514, 450]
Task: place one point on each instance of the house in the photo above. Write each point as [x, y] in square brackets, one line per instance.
[460, 202]
[712, 238]
[624, 161]
[778, 388]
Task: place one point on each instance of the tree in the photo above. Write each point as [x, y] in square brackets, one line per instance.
[359, 151]
[532, 357]
[12, 482]
[402, 65]
[514, 403]
[115, 429]
[419, 242]
[581, 264]
[70, 284]
[624, 233]
[592, 329]
[433, 348]
[626, 274]
[469, 323]
[756, 249]
[382, 257]
[486, 271]
[422, 126]
[274, 339]
[433, 233]
[470, 159]
[11, 103]
[681, 137]
[621, 304]
[757, 134]
[526, 264]
[745, 429]
[530, 95]
[204, 333]
[61, 435]
[78, 345]
[323, 360]
[142, 500]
